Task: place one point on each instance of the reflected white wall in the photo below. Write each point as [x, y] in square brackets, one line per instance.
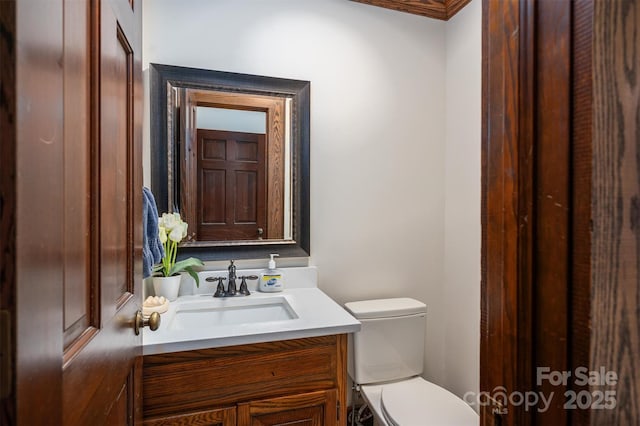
[232, 120]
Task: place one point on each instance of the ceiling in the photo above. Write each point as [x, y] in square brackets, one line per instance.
[438, 9]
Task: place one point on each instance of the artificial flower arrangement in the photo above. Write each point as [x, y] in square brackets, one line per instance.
[172, 229]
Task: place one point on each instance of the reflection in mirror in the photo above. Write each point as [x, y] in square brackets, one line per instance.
[233, 150]
[230, 152]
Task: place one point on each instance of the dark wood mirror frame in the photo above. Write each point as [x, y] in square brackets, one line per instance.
[160, 77]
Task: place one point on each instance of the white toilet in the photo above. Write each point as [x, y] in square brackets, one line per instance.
[386, 359]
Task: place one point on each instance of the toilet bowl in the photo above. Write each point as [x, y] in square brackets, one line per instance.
[417, 402]
[386, 360]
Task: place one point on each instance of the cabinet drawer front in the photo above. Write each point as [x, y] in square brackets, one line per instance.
[315, 409]
[220, 417]
[200, 380]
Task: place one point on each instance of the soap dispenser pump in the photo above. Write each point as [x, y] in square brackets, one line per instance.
[271, 278]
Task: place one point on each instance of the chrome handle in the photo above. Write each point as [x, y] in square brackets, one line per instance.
[153, 322]
[243, 285]
[220, 290]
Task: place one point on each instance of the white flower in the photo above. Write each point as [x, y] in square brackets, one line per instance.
[169, 220]
[176, 233]
[171, 230]
[162, 233]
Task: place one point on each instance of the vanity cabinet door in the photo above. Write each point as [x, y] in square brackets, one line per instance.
[219, 417]
[312, 409]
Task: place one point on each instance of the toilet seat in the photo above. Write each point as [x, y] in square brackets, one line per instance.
[417, 402]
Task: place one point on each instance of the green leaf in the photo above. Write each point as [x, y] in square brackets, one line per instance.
[193, 273]
[157, 268]
[187, 265]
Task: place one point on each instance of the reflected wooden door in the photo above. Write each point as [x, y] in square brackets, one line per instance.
[231, 187]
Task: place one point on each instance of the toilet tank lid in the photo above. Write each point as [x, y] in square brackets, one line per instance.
[385, 308]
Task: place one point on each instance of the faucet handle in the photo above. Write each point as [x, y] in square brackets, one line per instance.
[243, 285]
[220, 290]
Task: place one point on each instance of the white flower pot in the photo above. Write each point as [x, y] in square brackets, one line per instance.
[167, 286]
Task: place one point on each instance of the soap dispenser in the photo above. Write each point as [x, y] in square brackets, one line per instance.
[271, 278]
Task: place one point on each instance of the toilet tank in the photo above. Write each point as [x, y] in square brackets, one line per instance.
[390, 343]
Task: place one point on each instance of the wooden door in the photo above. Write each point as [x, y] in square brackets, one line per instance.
[231, 191]
[102, 356]
[310, 409]
[72, 276]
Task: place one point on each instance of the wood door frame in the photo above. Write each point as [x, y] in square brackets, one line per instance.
[536, 185]
[559, 138]
[274, 107]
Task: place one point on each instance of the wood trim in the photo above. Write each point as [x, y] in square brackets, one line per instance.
[275, 170]
[552, 204]
[437, 9]
[8, 173]
[581, 141]
[341, 356]
[500, 303]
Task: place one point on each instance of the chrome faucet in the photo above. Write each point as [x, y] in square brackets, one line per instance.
[231, 287]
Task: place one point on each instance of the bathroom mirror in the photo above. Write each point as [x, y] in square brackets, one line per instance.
[230, 152]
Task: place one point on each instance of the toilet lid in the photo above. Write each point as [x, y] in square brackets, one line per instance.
[417, 402]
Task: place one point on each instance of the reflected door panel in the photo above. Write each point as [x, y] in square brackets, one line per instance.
[231, 186]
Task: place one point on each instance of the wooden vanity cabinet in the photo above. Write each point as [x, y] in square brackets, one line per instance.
[300, 381]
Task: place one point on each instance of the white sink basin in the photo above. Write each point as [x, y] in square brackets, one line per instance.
[196, 320]
[231, 312]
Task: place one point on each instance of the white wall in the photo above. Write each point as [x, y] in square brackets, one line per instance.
[378, 129]
[462, 200]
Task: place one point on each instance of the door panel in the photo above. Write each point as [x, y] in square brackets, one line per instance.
[101, 362]
[77, 230]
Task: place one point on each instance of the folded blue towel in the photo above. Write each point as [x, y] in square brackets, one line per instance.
[152, 250]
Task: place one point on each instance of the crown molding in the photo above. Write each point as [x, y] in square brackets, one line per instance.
[437, 9]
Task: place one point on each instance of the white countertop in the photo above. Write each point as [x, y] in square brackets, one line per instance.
[317, 315]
